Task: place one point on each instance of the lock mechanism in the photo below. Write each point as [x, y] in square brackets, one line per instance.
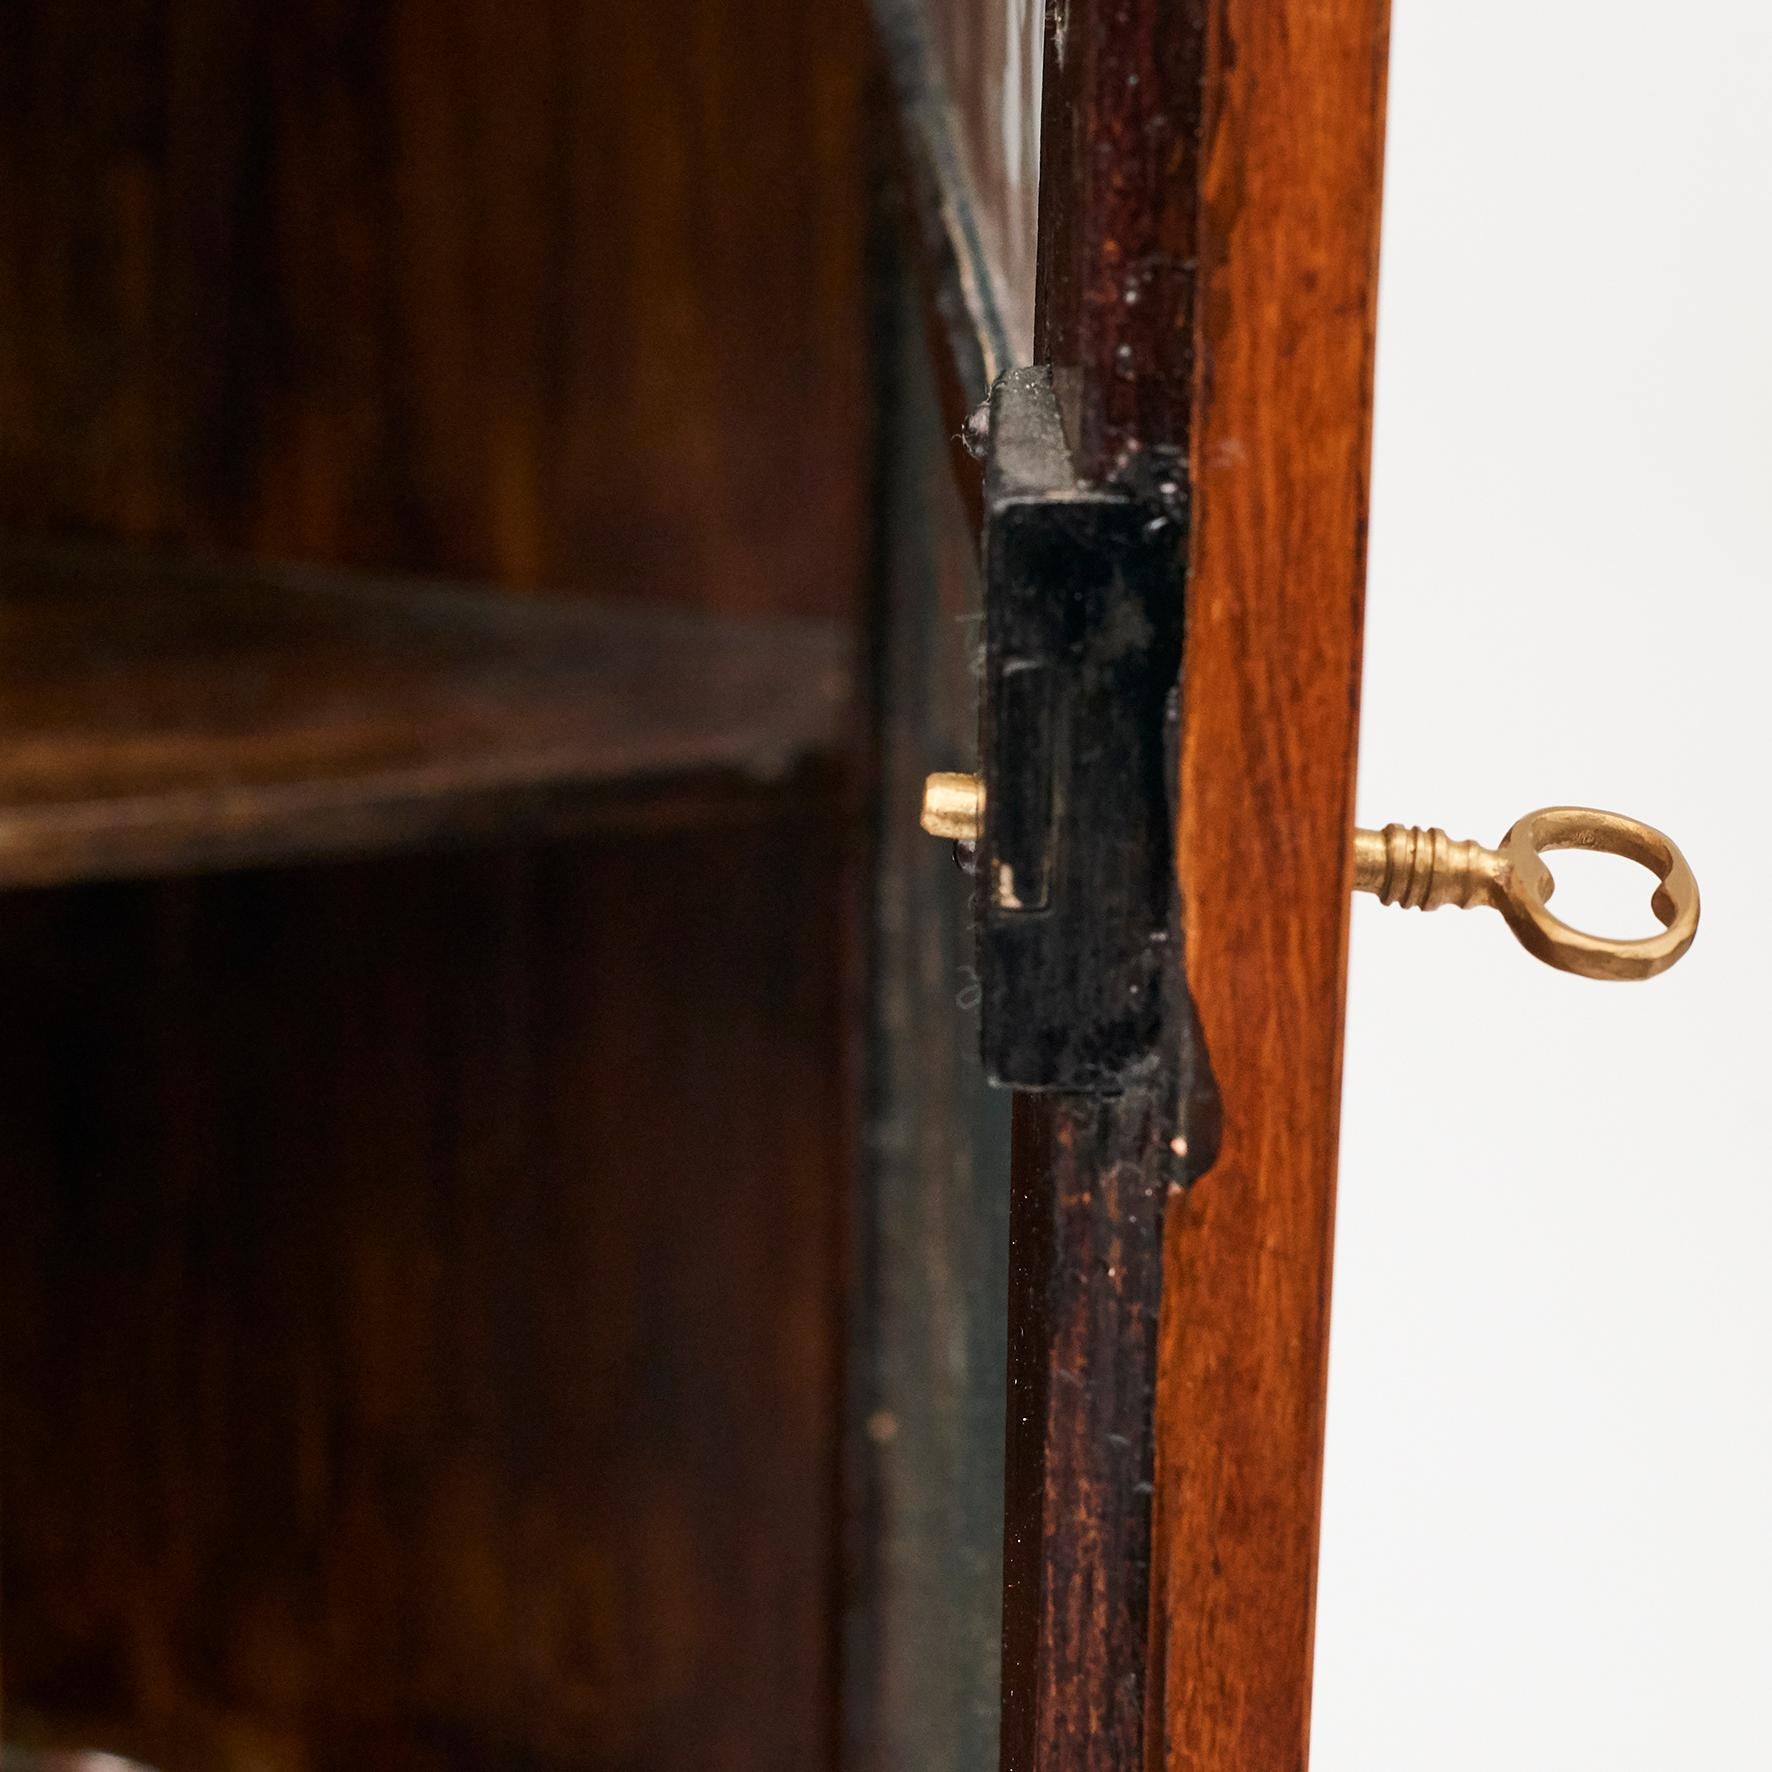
[1072, 815]
[1074, 912]
[1424, 869]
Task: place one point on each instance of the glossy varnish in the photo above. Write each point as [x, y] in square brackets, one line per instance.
[1288, 242]
[1209, 233]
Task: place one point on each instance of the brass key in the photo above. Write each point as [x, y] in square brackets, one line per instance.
[1424, 869]
[1403, 864]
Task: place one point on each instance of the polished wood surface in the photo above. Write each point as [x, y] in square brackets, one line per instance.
[419, 1309]
[537, 293]
[420, 1276]
[1209, 234]
[162, 716]
[1288, 244]
[1095, 1176]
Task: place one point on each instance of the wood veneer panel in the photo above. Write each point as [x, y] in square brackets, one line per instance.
[166, 716]
[1288, 242]
[419, 1338]
[418, 1311]
[528, 293]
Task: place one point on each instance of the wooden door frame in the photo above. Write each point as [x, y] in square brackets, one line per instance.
[1209, 232]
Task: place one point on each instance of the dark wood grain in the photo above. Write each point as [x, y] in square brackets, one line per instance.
[1118, 214]
[158, 717]
[1209, 212]
[1094, 1175]
[533, 294]
[418, 1309]
[1287, 265]
[419, 1278]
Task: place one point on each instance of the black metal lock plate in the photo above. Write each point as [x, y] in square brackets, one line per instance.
[1076, 870]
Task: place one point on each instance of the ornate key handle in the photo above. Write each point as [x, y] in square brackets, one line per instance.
[1422, 870]
[1405, 865]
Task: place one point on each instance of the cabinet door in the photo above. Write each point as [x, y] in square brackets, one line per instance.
[1171, 503]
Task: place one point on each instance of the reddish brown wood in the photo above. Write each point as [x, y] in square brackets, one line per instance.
[1288, 256]
[1209, 231]
[418, 1279]
[166, 716]
[419, 1330]
[542, 294]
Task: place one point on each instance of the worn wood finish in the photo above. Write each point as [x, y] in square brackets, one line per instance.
[1094, 1175]
[535, 294]
[418, 1310]
[1118, 215]
[1209, 230]
[158, 716]
[1287, 264]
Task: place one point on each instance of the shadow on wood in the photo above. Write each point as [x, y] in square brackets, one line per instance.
[418, 1308]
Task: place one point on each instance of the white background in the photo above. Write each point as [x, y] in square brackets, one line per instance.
[1548, 1510]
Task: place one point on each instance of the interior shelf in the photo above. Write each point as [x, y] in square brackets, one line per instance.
[162, 716]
